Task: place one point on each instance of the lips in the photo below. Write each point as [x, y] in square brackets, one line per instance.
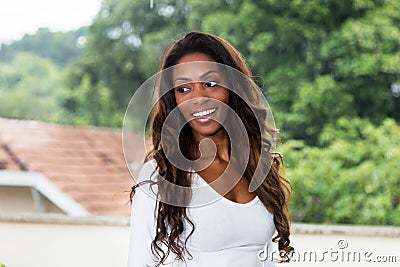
[204, 113]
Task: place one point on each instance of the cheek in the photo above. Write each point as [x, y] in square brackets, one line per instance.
[223, 96]
[180, 102]
[178, 99]
[183, 107]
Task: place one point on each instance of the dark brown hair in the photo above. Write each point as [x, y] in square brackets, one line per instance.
[274, 191]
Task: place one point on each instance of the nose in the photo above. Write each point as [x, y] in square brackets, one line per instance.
[199, 95]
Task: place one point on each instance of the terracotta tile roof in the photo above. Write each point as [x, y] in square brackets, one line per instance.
[86, 163]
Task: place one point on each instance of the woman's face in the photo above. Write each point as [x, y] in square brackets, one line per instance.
[200, 93]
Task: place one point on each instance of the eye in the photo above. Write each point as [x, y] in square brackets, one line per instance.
[182, 89]
[210, 84]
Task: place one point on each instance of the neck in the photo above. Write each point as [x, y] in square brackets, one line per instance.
[220, 139]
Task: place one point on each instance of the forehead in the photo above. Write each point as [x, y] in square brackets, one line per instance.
[193, 66]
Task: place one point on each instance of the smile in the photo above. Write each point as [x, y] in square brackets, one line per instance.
[204, 113]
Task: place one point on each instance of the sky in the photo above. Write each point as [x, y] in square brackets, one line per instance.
[20, 17]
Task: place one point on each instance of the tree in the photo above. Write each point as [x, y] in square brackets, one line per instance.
[349, 180]
[34, 88]
[89, 104]
[61, 48]
[364, 56]
[30, 88]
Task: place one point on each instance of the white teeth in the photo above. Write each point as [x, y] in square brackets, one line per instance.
[204, 113]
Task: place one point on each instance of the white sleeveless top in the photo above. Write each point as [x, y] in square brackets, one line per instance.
[226, 233]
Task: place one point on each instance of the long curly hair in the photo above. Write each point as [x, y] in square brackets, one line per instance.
[274, 191]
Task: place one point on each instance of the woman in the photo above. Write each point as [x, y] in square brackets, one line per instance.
[216, 140]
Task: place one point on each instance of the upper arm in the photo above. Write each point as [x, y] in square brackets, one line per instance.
[143, 223]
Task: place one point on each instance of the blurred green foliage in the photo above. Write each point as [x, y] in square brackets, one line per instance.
[61, 48]
[30, 88]
[352, 178]
[330, 70]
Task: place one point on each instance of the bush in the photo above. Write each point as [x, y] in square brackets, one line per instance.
[354, 177]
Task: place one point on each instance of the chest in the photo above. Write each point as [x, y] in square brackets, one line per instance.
[220, 181]
[224, 224]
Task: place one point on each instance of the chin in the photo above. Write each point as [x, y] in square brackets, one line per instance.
[206, 130]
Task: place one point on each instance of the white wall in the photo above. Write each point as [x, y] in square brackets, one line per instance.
[63, 245]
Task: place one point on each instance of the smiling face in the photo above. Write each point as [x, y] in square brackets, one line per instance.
[201, 91]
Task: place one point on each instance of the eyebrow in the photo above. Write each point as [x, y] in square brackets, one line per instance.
[208, 73]
[201, 76]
